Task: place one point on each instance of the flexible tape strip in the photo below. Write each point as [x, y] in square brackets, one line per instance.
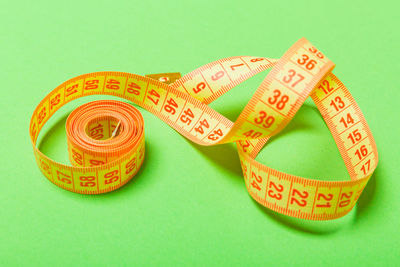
[302, 71]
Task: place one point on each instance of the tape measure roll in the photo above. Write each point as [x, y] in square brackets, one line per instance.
[100, 132]
[182, 103]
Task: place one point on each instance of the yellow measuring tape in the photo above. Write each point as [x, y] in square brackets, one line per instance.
[106, 138]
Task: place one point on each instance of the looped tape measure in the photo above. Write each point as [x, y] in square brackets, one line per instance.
[106, 138]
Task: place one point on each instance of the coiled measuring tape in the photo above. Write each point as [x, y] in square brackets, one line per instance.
[106, 138]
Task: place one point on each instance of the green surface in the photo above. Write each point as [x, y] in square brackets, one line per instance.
[188, 205]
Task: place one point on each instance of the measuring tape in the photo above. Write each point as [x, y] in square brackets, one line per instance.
[106, 138]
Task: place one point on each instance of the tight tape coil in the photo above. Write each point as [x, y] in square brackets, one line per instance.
[100, 132]
[104, 146]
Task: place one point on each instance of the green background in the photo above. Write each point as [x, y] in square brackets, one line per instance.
[188, 205]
